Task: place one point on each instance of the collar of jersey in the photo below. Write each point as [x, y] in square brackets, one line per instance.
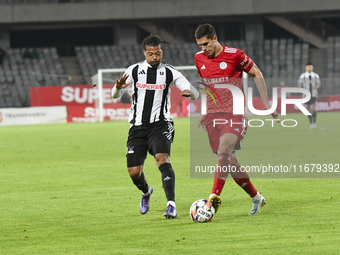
[147, 64]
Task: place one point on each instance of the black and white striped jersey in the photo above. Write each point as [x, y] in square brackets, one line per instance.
[151, 91]
[309, 81]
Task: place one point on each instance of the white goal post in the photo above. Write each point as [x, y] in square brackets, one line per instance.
[100, 88]
[99, 79]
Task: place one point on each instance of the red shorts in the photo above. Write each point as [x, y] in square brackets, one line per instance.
[218, 124]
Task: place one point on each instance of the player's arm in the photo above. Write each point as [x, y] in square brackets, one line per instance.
[318, 83]
[261, 86]
[201, 86]
[192, 93]
[300, 81]
[185, 86]
[121, 86]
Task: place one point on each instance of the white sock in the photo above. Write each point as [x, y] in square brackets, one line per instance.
[257, 196]
[171, 203]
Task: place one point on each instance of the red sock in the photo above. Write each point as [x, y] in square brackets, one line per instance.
[242, 179]
[222, 171]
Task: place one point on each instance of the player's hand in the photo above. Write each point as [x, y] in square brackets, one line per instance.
[275, 116]
[186, 93]
[201, 122]
[121, 82]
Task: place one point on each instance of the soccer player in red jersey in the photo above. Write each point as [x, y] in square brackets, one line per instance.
[221, 65]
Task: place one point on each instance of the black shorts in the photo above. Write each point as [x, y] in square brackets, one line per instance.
[156, 138]
[311, 101]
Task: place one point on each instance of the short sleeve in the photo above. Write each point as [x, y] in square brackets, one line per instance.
[301, 79]
[318, 79]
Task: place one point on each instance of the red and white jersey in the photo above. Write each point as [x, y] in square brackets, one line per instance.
[226, 68]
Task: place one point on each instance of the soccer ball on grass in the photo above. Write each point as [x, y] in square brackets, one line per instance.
[202, 211]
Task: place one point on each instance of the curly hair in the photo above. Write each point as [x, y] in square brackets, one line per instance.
[153, 40]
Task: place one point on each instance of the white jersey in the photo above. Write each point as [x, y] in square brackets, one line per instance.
[309, 81]
[151, 91]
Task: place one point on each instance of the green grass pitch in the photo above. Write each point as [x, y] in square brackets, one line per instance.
[64, 189]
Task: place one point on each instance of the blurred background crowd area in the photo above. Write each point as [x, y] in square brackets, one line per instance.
[65, 42]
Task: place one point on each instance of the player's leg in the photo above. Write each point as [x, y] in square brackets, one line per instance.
[226, 147]
[135, 157]
[310, 118]
[136, 172]
[241, 177]
[160, 141]
[135, 167]
[313, 112]
[168, 181]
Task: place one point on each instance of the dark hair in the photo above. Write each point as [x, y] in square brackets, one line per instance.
[205, 30]
[309, 64]
[152, 40]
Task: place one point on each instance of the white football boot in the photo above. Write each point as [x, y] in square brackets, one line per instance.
[258, 202]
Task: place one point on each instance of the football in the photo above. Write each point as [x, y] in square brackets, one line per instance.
[202, 211]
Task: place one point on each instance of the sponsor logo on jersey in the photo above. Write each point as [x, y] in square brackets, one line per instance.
[216, 80]
[223, 65]
[236, 129]
[142, 72]
[203, 67]
[150, 86]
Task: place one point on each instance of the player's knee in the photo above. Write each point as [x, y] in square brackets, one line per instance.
[162, 158]
[135, 172]
[135, 165]
[225, 148]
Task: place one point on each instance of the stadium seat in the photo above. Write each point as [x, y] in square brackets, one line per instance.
[277, 58]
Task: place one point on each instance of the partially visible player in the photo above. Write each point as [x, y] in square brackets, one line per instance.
[310, 81]
[151, 128]
[217, 63]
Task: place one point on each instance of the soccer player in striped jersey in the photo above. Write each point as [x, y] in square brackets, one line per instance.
[151, 128]
[219, 64]
[311, 81]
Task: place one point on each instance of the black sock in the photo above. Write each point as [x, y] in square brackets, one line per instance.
[314, 116]
[168, 179]
[141, 183]
[310, 118]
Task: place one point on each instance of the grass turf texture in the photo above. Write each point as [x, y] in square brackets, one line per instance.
[64, 189]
